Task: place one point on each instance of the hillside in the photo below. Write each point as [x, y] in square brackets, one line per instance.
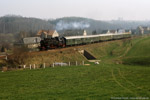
[15, 24]
[126, 51]
[123, 72]
[139, 53]
[98, 25]
[101, 51]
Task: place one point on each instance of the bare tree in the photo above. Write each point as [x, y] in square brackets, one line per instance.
[20, 54]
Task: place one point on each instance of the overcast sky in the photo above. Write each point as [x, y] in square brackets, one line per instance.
[95, 9]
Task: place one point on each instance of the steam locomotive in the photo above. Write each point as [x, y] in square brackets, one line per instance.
[52, 43]
[61, 42]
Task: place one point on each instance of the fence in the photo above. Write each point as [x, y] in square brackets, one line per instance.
[55, 64]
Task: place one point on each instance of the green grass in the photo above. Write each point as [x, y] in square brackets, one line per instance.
[140, 47]
[100, 82]
[139, 54]
[76, 83]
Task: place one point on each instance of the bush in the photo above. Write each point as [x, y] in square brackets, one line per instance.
[19, 56]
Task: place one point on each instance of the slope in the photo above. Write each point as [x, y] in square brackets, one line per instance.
[139, 54]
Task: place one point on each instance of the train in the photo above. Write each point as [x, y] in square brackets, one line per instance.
[62, 42]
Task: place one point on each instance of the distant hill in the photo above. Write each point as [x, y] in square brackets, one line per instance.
[91, 25]
[15, 24]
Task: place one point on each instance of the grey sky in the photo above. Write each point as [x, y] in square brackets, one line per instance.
[96, 9]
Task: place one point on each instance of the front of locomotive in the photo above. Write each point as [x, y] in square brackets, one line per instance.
[42, 45]
[52, 43]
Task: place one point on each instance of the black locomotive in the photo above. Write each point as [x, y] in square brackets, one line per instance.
[52, 43]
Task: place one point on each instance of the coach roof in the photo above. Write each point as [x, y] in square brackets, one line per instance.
[88, 36]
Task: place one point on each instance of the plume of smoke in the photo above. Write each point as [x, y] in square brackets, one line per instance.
[61, 25]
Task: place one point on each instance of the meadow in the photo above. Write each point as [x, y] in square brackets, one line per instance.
[124, 71]
[76, 83]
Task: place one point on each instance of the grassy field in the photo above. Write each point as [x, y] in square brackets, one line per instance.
[101, 82]
[139, 53]
[69, 83]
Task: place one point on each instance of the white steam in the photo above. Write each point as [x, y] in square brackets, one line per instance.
[71, 25]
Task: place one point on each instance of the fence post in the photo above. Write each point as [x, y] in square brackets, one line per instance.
[53, 64]
[61, 64]
[76, 63]
[30, 66]
[34, 66]
[24, 66]
[83, 62]
[69, 63]
[44, 65]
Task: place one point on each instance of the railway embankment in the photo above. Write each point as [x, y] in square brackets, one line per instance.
[99, 51]
[125, 51]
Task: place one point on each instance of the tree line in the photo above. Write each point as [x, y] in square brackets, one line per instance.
[16, 24]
